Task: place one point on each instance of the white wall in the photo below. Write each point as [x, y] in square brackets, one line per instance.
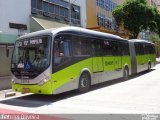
[82, 4]
[18, 11]
[14, 11]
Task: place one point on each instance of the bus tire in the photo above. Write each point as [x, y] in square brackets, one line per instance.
[126, 73]
[84, 82]
[149, 66]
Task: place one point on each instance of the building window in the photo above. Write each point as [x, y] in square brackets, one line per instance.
[51, 8]
[56, 9]
[39, 4]
[66, 13]
[62, 12]
[34, 4]
[106, 4]
[105, 22]
[45, 7]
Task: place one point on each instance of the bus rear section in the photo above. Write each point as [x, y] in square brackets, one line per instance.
[143, 55]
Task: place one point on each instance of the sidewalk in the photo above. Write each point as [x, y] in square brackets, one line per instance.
[3, 92]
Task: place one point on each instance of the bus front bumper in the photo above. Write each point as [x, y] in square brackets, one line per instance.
[44, 89]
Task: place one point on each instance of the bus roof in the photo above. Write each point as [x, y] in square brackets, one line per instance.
[140, 40]
[69, 29]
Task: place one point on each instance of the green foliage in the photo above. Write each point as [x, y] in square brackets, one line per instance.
[154, 38]
[137, 15]
[157, 19]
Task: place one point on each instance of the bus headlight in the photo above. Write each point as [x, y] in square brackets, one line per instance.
[43, 81]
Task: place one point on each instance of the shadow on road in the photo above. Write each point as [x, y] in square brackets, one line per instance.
[36, 100]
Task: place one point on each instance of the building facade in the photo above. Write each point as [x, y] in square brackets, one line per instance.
[31, 15]
[19, 17]
[14, 22]
[100, 18]
[56, 13]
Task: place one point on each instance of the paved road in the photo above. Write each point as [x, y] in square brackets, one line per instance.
[139, 95]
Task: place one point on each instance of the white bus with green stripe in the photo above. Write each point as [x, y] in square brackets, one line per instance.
[58, 60]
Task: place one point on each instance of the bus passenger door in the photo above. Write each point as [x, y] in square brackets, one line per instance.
[97, 59]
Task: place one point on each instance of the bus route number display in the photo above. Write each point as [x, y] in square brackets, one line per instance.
[30, 42]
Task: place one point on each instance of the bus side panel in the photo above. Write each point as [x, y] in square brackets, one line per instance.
[109, 68]
[97, 63]
[141, 65]
[68, 78]
[153, 59]
[98, 68]
[108, 62]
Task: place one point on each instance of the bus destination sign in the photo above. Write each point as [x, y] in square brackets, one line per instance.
[30, 42]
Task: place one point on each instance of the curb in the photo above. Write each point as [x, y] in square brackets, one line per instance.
[7, 93]
[10, 94]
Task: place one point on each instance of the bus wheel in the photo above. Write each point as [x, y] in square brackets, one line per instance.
[84, 82]
[125, 74]
[149, 66]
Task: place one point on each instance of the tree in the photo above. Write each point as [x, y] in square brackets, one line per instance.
[135, 16]
[157, 20]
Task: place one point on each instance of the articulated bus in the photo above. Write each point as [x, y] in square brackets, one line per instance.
[58, 60]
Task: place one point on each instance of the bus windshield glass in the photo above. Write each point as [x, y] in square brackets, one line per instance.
[31, 56]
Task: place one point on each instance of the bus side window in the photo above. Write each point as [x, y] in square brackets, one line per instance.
[125, 49]
[146, 50]
[61, 51]
[97, 47]
[107, 48]
[140, 48]
[153, 49]
[137, 48]
[81, 47]
[115, 47]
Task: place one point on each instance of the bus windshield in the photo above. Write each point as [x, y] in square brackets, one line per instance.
[31, 56]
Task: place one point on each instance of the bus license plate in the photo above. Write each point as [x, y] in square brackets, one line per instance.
[24, 81]
[26, 90]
